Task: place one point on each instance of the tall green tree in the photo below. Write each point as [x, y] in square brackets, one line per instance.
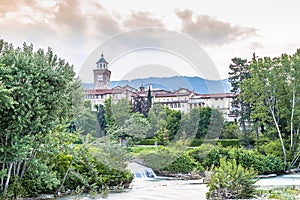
[173, 122]
[157, 118]
[86, 120]
[121, 111]
[36, 96]
[149, 98]
[273, 91]
[189, 124]
[136, 127]
[108, 113]
[238, 72]
[101, 119]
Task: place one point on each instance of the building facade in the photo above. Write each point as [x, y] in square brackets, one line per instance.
[182, 99]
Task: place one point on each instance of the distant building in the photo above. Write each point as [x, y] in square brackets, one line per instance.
[182, 99]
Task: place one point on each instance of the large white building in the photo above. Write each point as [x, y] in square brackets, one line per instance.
[182, 100]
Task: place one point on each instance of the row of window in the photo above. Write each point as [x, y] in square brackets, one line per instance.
[174, 105]
[98, 96]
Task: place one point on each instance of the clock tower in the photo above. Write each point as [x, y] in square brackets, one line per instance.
[102, 74]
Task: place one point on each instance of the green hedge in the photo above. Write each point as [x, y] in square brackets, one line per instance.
[229, 142]
[148, 142]
[223, 142]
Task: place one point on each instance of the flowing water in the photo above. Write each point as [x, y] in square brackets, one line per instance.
[147, 186]
[279, 181]
[156, 189]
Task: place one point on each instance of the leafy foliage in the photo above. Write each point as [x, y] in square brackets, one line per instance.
[39, 98]
[247, 158]
[231, 181]
[273, 92]
[183, 164]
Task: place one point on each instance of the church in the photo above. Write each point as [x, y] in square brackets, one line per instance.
[102, 90]
[182, 99]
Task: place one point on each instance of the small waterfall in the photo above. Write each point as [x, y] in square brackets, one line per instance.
[141, 171]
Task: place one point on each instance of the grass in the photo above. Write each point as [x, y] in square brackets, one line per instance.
[282, 193]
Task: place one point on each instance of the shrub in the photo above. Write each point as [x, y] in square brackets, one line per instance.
[231, 181]
[199, 153]
[273, 148]
[229, 142]
[183, 164]
[148, 142]
[158, 159]
[260, 163]
[247, 158]
[214, 156]
[196, 142]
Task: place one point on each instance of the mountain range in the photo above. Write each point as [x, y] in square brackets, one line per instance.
[197, 84]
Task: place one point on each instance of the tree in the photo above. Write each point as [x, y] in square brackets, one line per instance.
[273, 91]
[101, 118]
[216, 124]
[173, 122]
[157, 118]
[121, 111]
[36, 96]
[149, 99]
[136, 127]
[140, 104]
[239, 72]
[108, 113]
[86, 120]
[189, 124]
[231, 130]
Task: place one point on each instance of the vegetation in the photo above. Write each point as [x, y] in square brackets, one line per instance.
[39, 101]
[43, 115]
[272, 90]
[231, 181]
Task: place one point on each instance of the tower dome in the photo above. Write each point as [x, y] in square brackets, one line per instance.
[102, 64]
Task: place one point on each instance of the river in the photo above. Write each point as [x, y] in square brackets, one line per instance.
[158, 189]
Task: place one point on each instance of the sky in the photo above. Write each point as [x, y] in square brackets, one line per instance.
[142, 38]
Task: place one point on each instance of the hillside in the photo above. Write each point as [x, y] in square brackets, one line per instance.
[197, 84]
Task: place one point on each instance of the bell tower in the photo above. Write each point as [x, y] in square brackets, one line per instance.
[102, 74]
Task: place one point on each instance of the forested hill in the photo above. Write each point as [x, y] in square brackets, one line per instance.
[197, 84]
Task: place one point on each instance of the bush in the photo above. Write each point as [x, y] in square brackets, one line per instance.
[159, 159]
[229, 142]
[260, 163]
[148, 142]
[231, 181]
[214, 156]
[196, 142]
[247, 158]
[183, 164]
[273, 148]
[199, 153]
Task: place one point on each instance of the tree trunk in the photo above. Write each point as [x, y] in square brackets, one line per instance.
[64, 179]
[292, 118]
[8, 178]
[2, 177]
[280, 137]
[23, 169]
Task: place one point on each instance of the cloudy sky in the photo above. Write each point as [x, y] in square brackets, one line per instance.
[142, 38]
